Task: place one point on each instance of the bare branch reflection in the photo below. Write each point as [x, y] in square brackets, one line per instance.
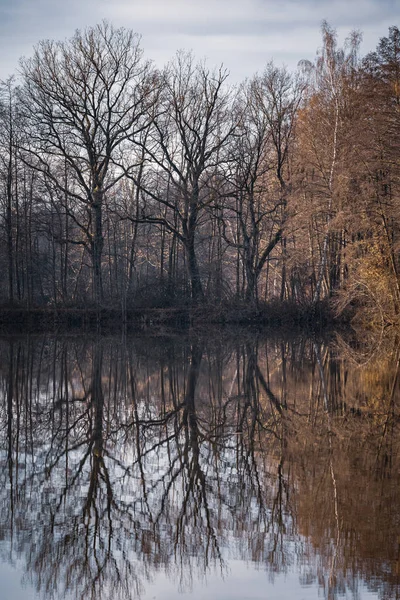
[124, 458]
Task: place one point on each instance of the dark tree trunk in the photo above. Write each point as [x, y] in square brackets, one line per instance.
[194, 273]
[97, 247]
[10, 244]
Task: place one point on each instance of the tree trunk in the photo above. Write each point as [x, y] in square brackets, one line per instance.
[193, 268]
[10, 244]
[97, 246]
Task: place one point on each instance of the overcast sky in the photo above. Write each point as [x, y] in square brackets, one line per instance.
[241, 34]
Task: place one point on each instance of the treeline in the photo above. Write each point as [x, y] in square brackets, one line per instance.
[126, 186]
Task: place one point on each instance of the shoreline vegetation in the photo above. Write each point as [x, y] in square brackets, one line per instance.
[277, 315]
[133, 196]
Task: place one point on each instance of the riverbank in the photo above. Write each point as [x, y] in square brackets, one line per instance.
[285, 315]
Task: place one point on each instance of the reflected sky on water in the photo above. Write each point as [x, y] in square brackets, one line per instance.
[232, 467]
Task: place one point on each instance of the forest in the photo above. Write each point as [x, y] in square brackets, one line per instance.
[124, 187]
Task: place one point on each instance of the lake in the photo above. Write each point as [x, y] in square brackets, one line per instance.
[229, 466]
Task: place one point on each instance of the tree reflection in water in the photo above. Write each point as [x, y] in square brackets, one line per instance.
[121, 459]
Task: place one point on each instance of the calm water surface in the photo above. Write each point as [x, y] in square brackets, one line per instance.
[226, 468]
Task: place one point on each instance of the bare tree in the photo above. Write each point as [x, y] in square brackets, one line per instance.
[187, 142]
[259, 169]
[84, 99]
[8, 141]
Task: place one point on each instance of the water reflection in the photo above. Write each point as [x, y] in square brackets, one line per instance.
[121, 459]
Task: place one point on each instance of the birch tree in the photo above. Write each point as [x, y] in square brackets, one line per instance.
[322, 152]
